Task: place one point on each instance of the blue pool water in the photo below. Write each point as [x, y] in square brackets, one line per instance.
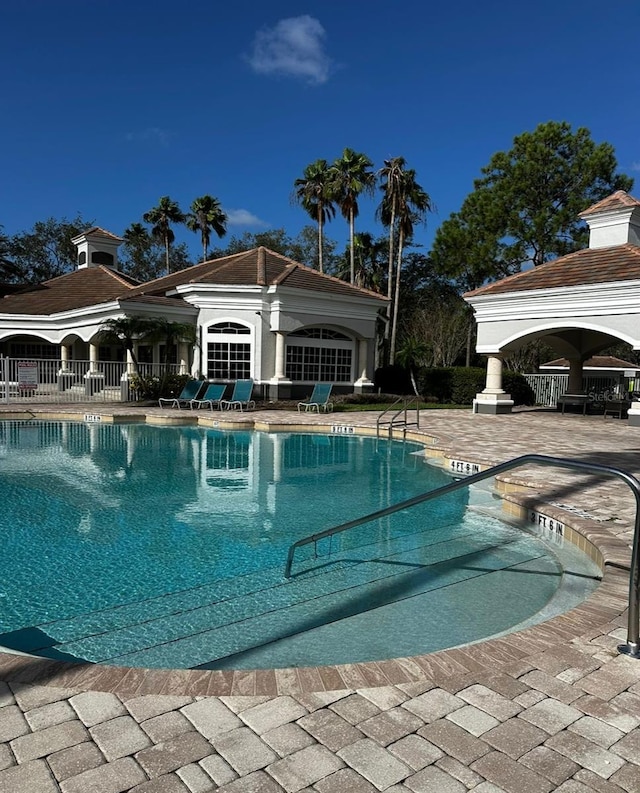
[165, 547]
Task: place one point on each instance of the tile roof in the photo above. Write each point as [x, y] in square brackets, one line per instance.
[589, 266]
[595, 362]
[257, 267]
[96, 231]
[617, 200]
[79, 289]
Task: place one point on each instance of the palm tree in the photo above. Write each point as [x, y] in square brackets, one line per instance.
[125, 332]
[161, 217]
[411, 354]
[313, 193]
[392, 174]
[350, 177]
[207, 216]
[412, 207]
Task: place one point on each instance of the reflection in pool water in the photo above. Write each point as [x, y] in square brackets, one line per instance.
[164, 546]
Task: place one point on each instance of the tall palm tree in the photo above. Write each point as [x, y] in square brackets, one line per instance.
[207, 216]
[391, 174]
[350, 177]
[412, 207]
[161, 217]
[313, 193]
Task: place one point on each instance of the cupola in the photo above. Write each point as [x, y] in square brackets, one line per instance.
[97, 247]
[613, 221]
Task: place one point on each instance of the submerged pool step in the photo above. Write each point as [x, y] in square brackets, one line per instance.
[107, 620]
[217, 630]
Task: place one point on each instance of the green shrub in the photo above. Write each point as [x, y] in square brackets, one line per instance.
[516, 384]
[457, 385]
[148, 387]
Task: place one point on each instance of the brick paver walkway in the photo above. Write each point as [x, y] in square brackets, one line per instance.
[555, 707]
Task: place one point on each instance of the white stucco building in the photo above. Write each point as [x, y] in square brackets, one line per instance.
[257, 314]
[579, 304]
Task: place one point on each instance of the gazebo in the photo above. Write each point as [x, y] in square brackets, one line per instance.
[580, 304]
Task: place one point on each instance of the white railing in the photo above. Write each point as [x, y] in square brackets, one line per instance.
[548, 387]
[52, 380]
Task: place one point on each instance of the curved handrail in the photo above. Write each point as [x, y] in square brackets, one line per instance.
[633, 627]
[406, 402]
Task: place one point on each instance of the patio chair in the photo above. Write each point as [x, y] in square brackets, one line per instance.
[241, 397]
[319, 399]
[212, 396]
[190, 391]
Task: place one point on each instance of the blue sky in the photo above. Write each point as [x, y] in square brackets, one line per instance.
[109, 104]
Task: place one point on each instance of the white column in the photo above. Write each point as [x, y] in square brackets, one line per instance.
[493, 399]
[280, 347]
[93, 358]
[363, 356]
[130, 364]
[183, 357]
[64, 358]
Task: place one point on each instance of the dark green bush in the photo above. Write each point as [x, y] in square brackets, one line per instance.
[516, 384]
[152, 387]
[459, 385]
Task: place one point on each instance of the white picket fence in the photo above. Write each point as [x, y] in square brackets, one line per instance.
[50, 380]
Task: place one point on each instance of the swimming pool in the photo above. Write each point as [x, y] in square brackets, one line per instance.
[165, 547]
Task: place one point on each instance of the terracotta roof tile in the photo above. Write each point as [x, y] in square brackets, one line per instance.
[617, 200]
[257, 267]
[595, 362]
[78, 289]
[589, 266]
[96, 231]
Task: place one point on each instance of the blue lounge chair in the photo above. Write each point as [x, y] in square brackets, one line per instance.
[241, 397]
[190, 391]
[319, 399]
[211, 397]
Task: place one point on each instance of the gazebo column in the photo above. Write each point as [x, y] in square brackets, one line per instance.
[93, 379]
[363, 383]
[493, 399]
[575, 376]
[279, 385]
[125, 379]
[65, 375]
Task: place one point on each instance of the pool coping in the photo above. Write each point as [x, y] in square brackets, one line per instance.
[592, 617]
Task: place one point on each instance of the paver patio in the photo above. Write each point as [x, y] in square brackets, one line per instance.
[554, 707]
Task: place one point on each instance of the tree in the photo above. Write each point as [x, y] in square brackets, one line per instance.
[391, 174]
[161, 217]
[525, 207]
[370, 262]
[413, 203]
[411, 354]
[46, 251]
[8, 269]
[125, 332]
[350, 176]
[313, 193]
[142, 256]
[207, 216]
[169, 334]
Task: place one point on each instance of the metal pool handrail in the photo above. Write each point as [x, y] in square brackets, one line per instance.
[406, 402]
[633, 627]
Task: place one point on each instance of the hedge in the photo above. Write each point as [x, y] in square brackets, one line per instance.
[458, 386]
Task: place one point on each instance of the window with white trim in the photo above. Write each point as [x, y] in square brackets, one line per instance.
[319, 355]
[228, 356]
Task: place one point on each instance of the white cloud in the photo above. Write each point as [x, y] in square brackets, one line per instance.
[293, 48]
[150, 135]
[242, 217]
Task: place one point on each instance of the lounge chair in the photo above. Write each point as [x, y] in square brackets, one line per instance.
[319, 399]
[241, 397]
[211, 397]
[190, 391]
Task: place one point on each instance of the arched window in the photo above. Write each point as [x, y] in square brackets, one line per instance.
[82, 258]
[228, 358]
[319, 355]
